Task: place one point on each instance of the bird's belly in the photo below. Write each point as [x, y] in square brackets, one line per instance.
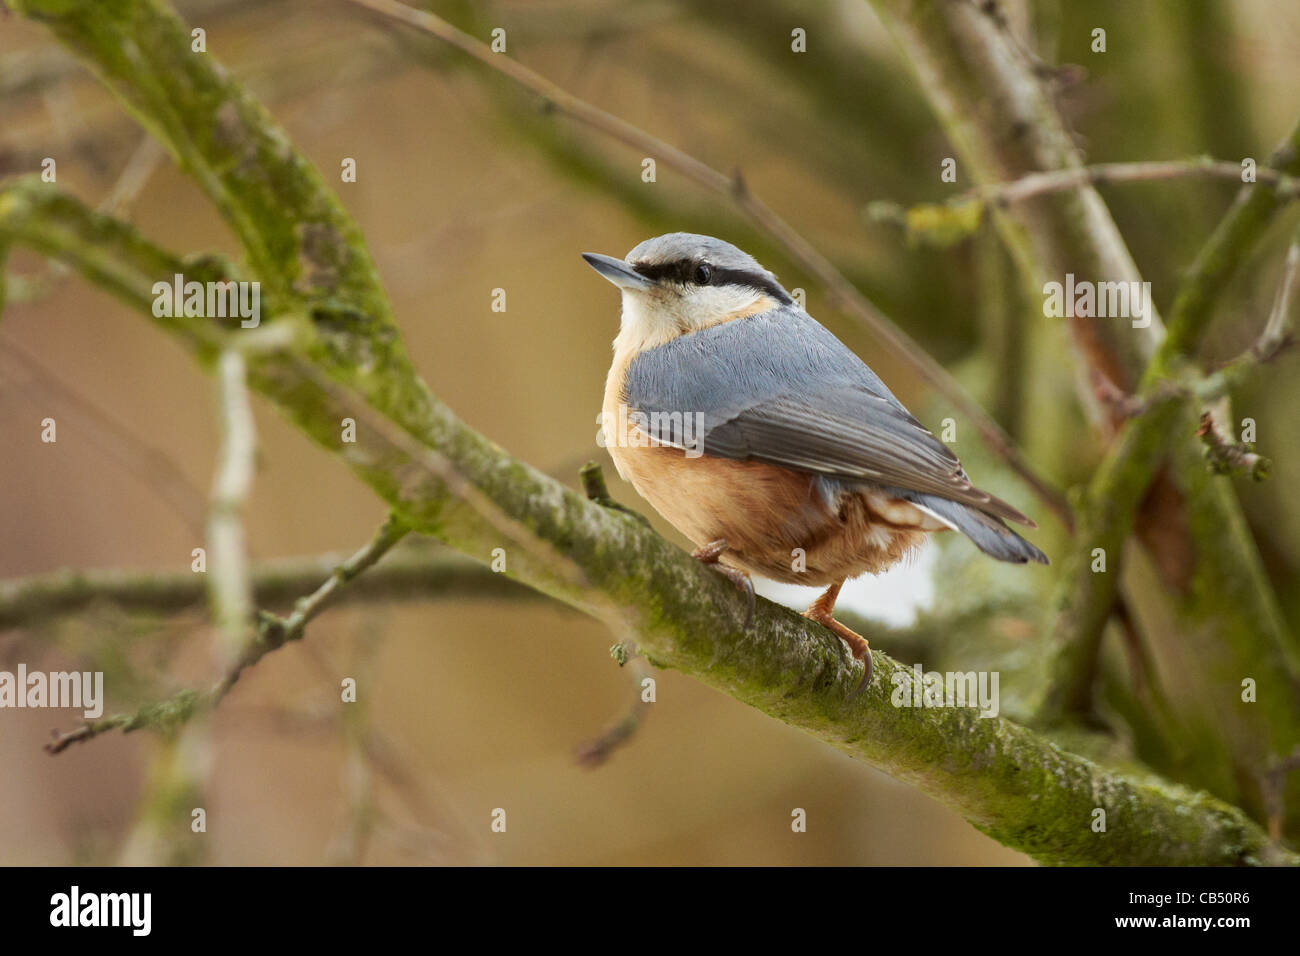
[777, 522]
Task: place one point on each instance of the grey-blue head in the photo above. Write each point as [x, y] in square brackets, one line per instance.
[682, 282]
[688, 259]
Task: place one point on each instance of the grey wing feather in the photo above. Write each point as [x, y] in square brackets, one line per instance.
[779, 388]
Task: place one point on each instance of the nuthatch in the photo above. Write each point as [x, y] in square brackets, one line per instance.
[801, 466]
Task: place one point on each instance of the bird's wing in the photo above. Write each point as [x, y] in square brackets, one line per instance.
[777, 387]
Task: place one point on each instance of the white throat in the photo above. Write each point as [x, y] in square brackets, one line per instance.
[652, 318]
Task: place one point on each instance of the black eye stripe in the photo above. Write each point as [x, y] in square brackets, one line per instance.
[683, 271]
[752, 280]
[679, 271]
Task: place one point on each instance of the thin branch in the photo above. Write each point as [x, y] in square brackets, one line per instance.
[1280, 319]
[784, 664]
[959, 217]
[1010, 782]
[620, 732]
[414, 571]
[1275, 338]
[135, 175]
[228, 582]
[1225, 455]
[272, 632]
[1278, 333]
[1123, 476]
[352, 839]
[383, 761]
[1100, 174]
[595, 752]
[840, 290]
[995, 111]
[594, 487]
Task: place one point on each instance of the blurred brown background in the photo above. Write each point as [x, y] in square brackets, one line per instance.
[462, 188]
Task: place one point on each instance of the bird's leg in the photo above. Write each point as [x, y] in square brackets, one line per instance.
[709, 554]
[820, 611]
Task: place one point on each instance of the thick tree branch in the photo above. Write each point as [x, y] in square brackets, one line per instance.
[1121, 479]
[1170, 386]
[446, 480]
[991, 103]
[1017, 786]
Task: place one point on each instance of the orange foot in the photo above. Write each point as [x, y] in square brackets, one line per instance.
[820, 611]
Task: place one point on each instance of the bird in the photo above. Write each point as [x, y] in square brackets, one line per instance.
[766, 441]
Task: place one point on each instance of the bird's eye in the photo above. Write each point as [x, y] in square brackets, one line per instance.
[703, 273]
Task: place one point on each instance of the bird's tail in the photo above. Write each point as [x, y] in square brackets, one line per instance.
[988, 532]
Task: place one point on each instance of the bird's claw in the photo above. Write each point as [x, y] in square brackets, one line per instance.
[867, 671]
[820, 611]
[742, 581]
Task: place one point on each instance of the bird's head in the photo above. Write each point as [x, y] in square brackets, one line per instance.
[681, 282]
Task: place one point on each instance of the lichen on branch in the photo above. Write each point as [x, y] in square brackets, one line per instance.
[444, 479]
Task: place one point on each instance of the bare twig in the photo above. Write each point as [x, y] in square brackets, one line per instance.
[1278, 330]
[352, 839]
[1276, 336]
[416, 571]
[594, 487]
[1224, 455]
[679, 612]
[228, 581]
[958, 218]
[135, 175]
[1273, 340]
[272, 632]
[420, 795]
[1056, 180]
[595, 752]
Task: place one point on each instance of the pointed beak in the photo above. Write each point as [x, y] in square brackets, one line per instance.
[617, 271]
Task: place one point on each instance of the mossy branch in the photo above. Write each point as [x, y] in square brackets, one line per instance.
[990, 101]
[1015, 785]
[446, 480]
[1170, 394]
